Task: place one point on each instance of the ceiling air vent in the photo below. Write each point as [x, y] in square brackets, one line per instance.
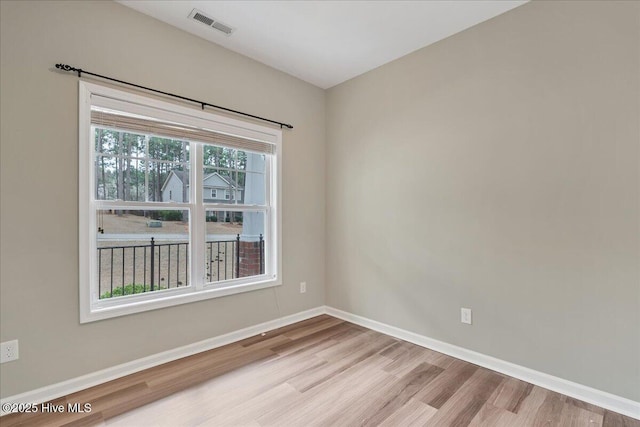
[198, 15]
[204, 19]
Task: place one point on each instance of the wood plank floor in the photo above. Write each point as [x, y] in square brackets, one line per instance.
[322, 372]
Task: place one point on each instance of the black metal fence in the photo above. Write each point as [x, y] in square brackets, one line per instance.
[223, 259]
[132, 269]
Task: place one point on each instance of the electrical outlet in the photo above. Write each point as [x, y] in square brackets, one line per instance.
[465, 315]
[303, 287]
[8, 351]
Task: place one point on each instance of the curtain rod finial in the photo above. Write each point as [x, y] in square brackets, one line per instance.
[65, 67]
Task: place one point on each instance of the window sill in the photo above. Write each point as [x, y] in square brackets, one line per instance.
[100, 313]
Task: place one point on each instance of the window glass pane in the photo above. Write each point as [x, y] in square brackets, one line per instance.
[243, 184]
[170, 150]
[134, 179]
[168, 182]
[120, 178]
[141, 251]
[129, 144]
[255, 188]
[113, 142]
[234, 244]
[219, 157]
[136, 167]
[221, 186]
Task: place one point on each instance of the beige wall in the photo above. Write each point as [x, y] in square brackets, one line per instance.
[39, 277]
[498, 170]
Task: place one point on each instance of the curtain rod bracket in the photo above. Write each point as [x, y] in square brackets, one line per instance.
[65, 67]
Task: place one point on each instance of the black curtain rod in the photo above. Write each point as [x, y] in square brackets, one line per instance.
[80, 71]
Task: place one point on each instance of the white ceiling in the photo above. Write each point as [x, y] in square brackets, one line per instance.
[326, 42]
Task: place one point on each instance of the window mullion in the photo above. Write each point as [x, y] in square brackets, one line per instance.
[146, 168]
[233, 207]
[149, 206]
[198, 222]
[270, 268]
[94, 286]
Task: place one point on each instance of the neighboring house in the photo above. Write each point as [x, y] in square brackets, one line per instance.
[216, 188]
[173, 187]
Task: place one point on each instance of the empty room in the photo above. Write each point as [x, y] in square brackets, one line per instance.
[320, 213]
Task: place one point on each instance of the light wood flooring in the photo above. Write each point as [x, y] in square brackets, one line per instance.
[322, 372]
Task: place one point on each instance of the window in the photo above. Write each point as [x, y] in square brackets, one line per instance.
[150, 235]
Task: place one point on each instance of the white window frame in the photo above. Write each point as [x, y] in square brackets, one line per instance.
[214, 193]
[91, 307]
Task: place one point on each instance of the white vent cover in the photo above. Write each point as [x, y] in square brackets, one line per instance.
[200, 16]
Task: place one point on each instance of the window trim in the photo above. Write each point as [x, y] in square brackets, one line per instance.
[92, 309]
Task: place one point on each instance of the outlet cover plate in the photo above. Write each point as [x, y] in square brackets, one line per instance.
[8, 351]
[303, 287]
[465, 315]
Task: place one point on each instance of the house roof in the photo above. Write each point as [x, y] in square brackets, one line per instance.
[226, 179]
[180, 175]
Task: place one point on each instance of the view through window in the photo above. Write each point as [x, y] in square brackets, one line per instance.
[177, 207]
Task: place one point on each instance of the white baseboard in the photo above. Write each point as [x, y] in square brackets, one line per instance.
[600, 398]
[73, 385]
[597, 397]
